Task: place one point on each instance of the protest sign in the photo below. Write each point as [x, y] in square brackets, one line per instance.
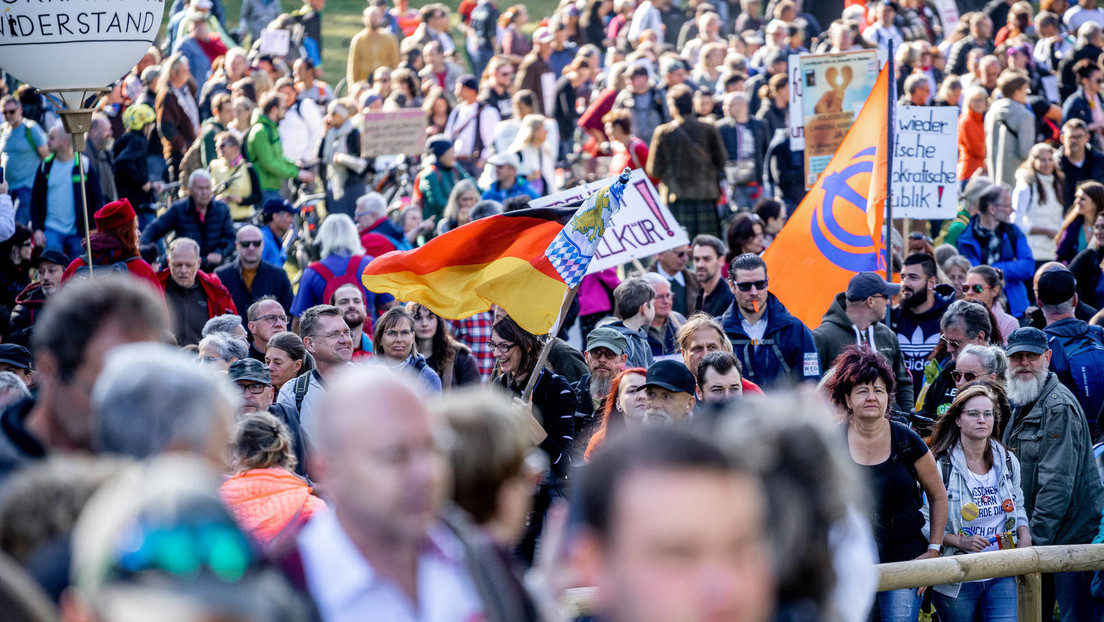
[400, 132]
[833, 90]
[276, 42]
[925, 153]
[948, 15]
[796, 127]
[641, 228]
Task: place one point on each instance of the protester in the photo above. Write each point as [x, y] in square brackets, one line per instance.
[964, 324]
[30, 302]
[199, 218]
[916, 320]
[328, 340]
[193, 295]
[286, 358]
[710, 256]
[396, 348]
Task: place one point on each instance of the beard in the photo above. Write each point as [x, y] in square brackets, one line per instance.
[599, 387]
[354, 319]
[657, 416]
[915, 299]
[1021, 392]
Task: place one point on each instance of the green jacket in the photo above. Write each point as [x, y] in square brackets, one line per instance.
[435, 184]
[207, 133]
[266, 152]
[954, 228]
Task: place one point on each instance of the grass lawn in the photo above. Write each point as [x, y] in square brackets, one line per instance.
[342, 20]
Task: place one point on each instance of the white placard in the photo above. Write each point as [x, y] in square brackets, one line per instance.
[796, 127]
[275, 42]
[641, 228]
[925, 157]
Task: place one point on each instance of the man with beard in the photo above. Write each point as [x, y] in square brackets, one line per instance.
[672, 392]
[1061, 485]
[605, 358]
[664, 327]
[916, 320]
[350, 302]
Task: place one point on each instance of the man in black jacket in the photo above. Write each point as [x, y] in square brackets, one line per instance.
[200, 218]
[248, 279]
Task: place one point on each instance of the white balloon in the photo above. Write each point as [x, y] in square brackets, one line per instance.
[81, 44]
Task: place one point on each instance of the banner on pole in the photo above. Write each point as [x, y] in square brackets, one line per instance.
[397, 132]
[641, 228]
[925, 154]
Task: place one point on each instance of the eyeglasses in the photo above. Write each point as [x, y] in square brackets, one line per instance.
[273, 318]
[954, 345]
[395, 334]
[603, 353]
[963, 376]
[1019, 356]
[255, 389]
[747, 285]
[1098, 227]
[979, 414]
[209, 359]
[500, 347]
[336, 334]
[977, 288]
[248, 243]
[8, 113]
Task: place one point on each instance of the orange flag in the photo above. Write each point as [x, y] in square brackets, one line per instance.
[836, 231]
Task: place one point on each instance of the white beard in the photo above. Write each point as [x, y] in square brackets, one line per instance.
[1021, 392]
[599, 387]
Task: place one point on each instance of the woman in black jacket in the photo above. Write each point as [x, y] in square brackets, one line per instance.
[1086, 268]
[132, 178]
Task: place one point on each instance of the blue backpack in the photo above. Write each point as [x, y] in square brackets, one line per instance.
[1078, 362]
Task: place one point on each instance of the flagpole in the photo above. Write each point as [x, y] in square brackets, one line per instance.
[891, 92]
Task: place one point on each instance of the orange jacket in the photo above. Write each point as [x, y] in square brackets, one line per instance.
[265, 501]
[971, 143]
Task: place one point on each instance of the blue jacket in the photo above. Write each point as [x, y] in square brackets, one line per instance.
[214, 234]
[787, 347]
[1015, 260]
[273, 249]
[520, 187]
[1077, 107]
[269, 281]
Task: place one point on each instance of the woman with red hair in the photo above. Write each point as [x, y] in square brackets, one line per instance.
[114, 246]
[625, 405]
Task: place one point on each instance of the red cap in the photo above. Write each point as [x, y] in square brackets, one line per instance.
[115, 215]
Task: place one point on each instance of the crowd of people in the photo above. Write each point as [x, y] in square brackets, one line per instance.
[205, 411]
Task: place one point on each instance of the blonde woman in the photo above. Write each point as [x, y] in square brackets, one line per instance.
[1037, 200]
[536, 153]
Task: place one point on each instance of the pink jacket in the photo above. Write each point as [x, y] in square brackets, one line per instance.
[596, 292]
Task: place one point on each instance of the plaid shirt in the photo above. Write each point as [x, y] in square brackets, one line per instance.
[475, 332]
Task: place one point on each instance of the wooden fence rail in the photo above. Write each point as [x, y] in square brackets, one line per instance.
[1024, 564]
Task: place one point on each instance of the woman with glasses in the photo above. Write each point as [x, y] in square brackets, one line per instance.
[230, 171]
[1086, 268]
[1076, 230]
[517, 351]
[984, 284]
[957, 268]
[395, 347]
[264, 494]
[452, 360]
[985, 509]
[898, 466]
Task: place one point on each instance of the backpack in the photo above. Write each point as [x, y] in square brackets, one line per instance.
[302, 384]
[1077, 361]
[351, 276]
[119, 267]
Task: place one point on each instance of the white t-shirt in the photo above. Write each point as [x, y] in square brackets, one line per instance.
[985, 491]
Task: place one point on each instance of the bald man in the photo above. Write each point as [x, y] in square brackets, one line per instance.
[382, 552]
[249, 279]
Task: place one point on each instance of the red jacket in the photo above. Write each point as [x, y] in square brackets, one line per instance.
[219, 300]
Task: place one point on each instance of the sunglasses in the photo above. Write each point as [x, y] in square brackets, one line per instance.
[963, 376]
[747, 285]
[951, 344]
[248, 243]
[977, 288]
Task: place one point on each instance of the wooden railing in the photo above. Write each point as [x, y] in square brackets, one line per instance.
[1024, 564]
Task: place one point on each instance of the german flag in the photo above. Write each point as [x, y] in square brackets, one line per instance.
[524, 261]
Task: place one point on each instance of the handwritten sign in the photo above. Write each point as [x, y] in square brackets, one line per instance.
[834, 88]
[925, 152]
[641, 228]
[399, 132]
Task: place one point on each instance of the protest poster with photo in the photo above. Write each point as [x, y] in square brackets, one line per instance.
[925, 154]
[641, 228]
[399, 132]
[834, 88]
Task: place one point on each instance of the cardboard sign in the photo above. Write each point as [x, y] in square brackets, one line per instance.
[834, 89]
[399, 132]
[925, 154]
[641, 228]
[275, 42]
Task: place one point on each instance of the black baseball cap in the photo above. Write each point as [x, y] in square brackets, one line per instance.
[1056, 286]
[249, 369]
[1027, 339]
[52, 256]
[671, 375]
[15, 355]
[866, 284]
[275, 206]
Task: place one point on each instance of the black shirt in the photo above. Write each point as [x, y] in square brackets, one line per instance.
[190, 311]
[717, 302]
[897, 520]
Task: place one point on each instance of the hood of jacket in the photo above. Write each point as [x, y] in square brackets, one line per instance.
[778, 317]
[1070, 327]
[1007, 111]
[877, 334]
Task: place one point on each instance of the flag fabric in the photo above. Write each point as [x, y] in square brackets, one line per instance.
[524, 261]
[836, 231]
